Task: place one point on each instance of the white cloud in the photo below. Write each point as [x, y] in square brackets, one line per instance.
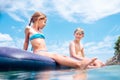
[87, 10]
[16, 17]
[5, 37]
[103, 50]
[74, 11]
[22, 7]
[115, 29]
[105, 46]
[59, 48]
[8, 41]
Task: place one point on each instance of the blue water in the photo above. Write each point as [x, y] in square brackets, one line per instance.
[104, 73]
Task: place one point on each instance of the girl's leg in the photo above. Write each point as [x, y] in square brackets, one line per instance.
[67, 61]
[95, 64]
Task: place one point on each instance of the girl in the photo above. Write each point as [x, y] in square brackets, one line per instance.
[36, 37]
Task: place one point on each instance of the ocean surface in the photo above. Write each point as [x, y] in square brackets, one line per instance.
[104, 73]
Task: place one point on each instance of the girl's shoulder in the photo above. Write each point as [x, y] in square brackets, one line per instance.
[27, 28]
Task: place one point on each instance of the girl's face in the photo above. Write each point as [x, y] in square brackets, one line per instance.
[78, 35]
[42, 23]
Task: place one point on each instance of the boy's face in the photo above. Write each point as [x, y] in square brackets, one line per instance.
[79, 35]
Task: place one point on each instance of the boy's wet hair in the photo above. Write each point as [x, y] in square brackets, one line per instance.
[79, 30]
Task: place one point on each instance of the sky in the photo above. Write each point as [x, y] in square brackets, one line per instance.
[100, 20]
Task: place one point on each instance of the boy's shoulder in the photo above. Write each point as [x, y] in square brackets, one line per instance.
[72, 43]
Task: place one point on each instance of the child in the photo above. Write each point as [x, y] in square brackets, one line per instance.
[36, 37]
[76, 49]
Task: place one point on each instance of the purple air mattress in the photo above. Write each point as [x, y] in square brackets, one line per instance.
[17, 59]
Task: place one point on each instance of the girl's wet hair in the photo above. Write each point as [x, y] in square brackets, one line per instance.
[79, 30]
[35, 16]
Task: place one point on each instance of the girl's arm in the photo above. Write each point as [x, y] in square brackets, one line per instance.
[26, 42]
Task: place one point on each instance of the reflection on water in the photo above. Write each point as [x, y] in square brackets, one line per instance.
[105, 73]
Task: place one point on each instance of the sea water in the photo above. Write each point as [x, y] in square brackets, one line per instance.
[104, 73]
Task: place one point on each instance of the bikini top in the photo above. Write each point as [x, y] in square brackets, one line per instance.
[37, 35]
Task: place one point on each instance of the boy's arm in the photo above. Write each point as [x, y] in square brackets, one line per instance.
[82, 52]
